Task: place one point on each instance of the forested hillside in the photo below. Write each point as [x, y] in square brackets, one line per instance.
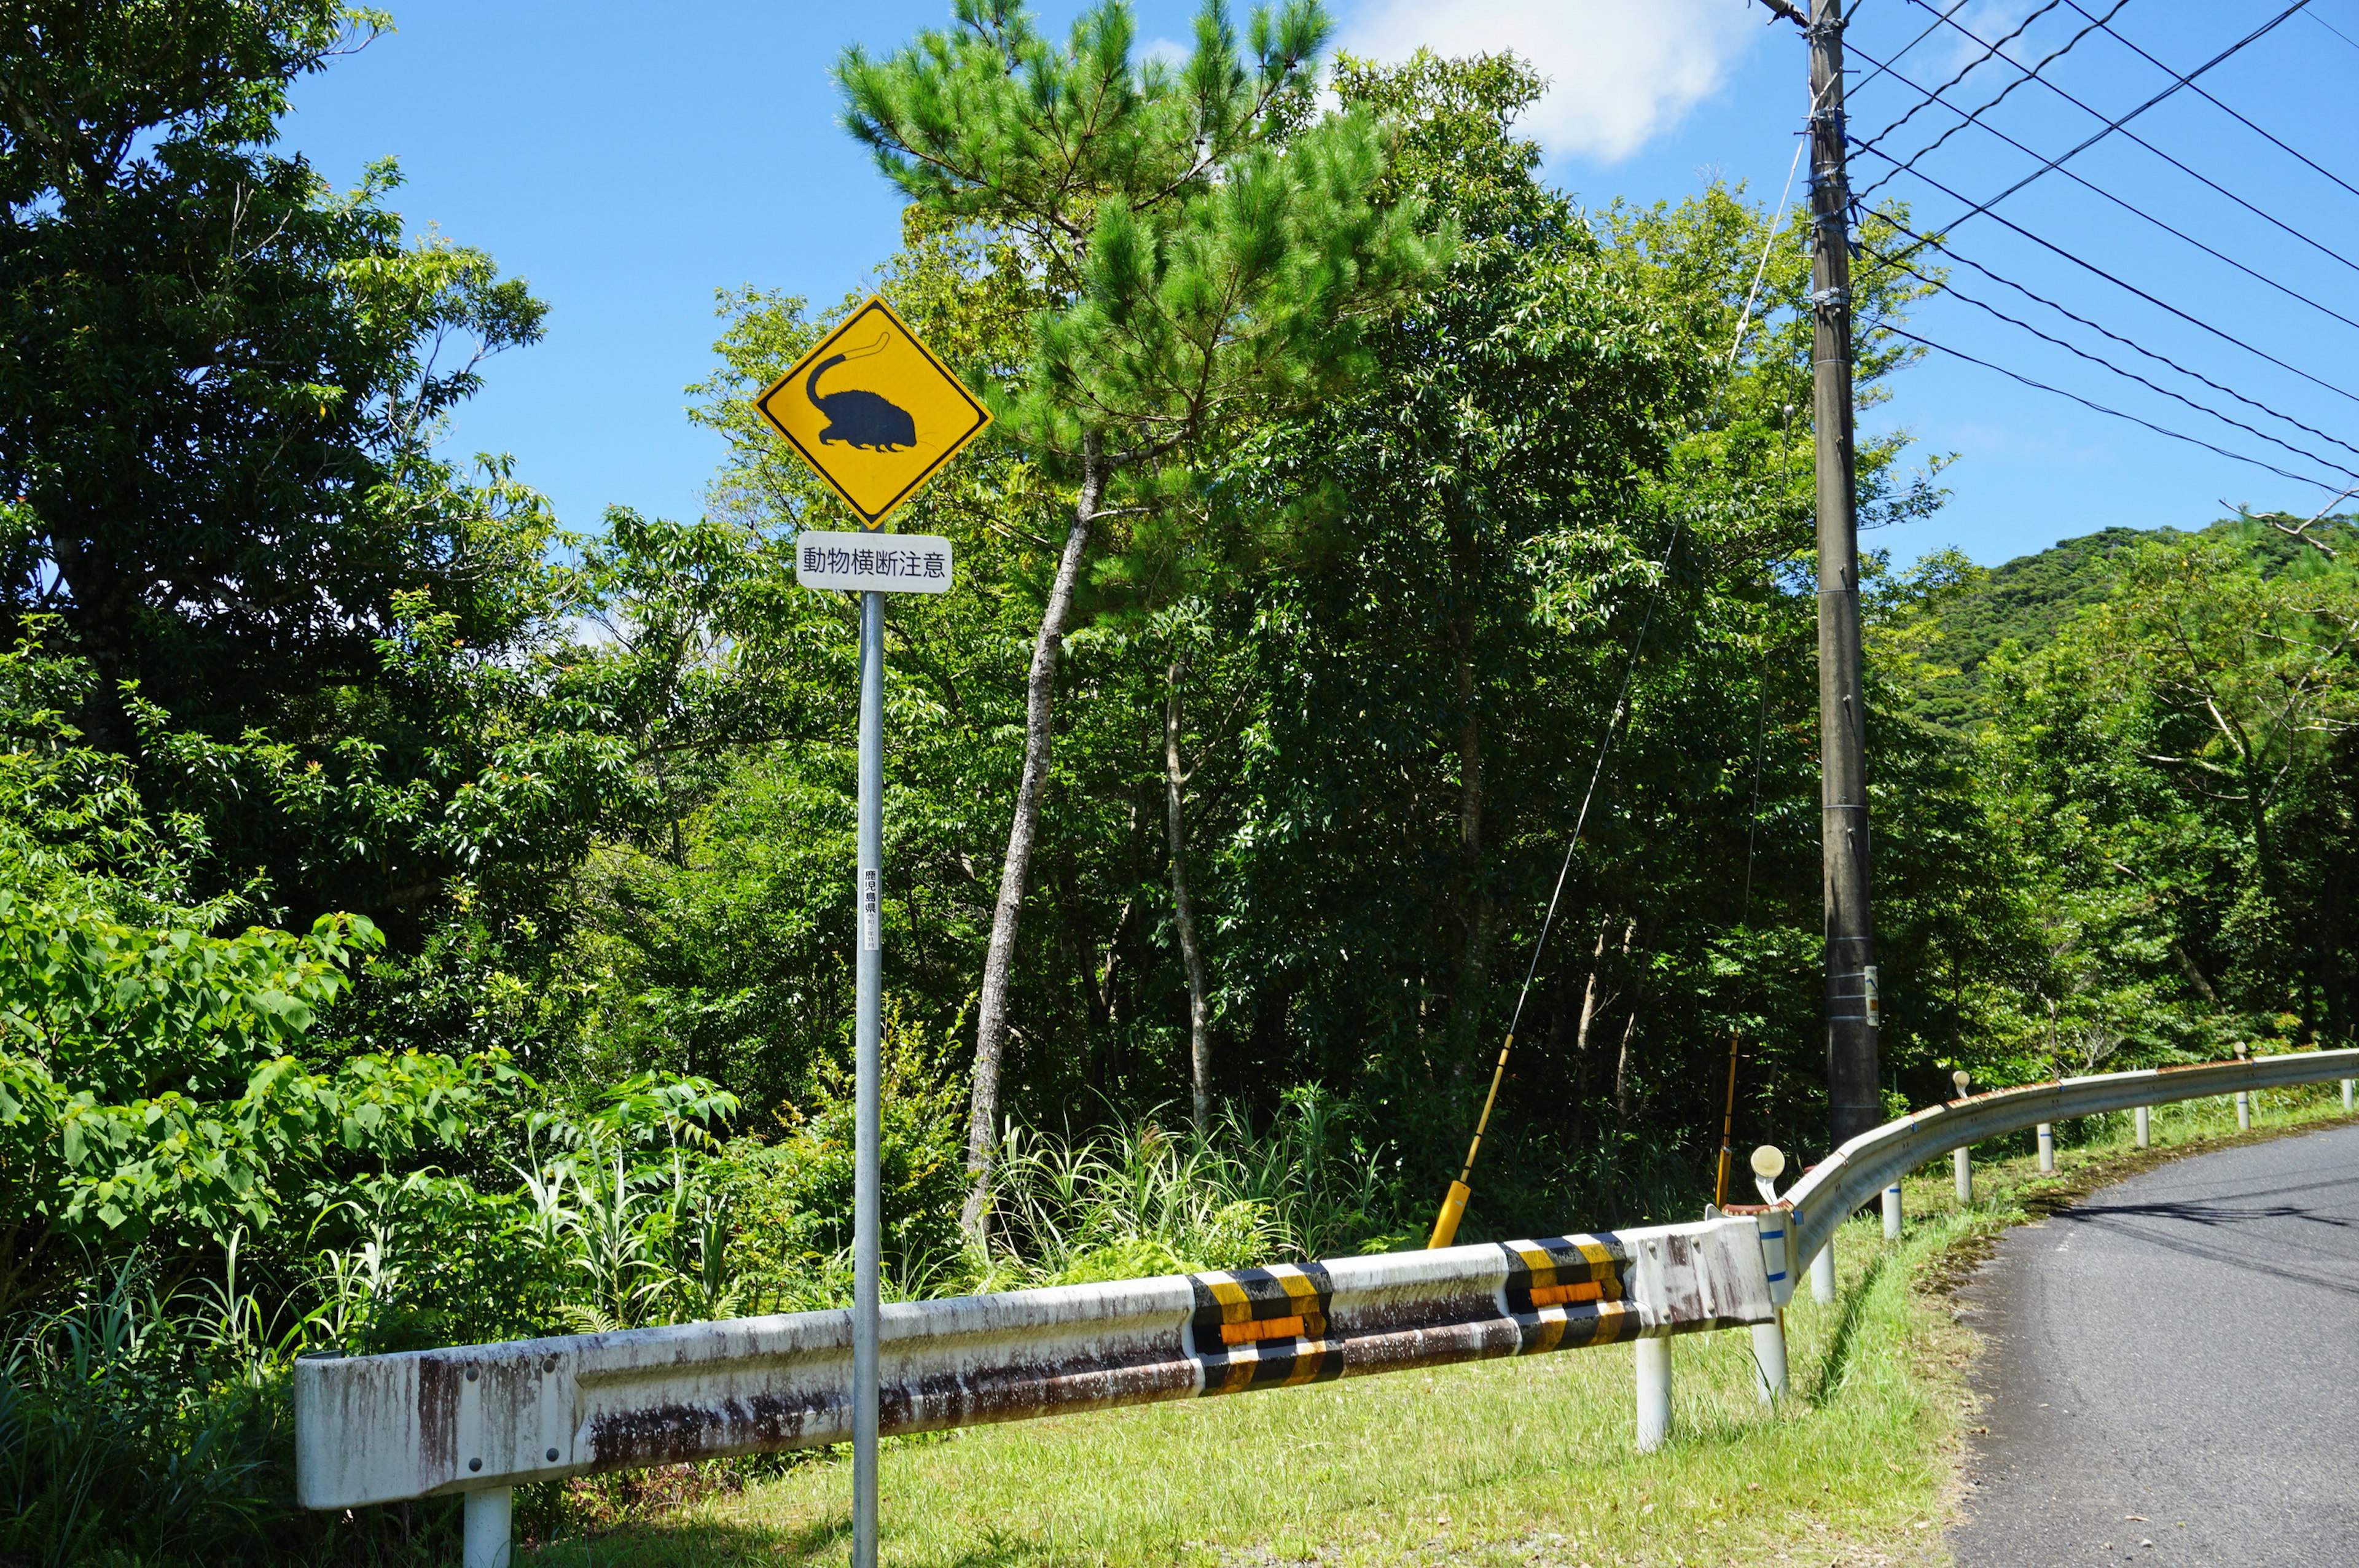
[425, 919]
[2029, 600]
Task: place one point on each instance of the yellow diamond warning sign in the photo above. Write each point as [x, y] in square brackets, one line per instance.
[874, 412]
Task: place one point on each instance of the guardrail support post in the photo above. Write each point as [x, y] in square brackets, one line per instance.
[1654, 1394]
[1769, 1359]
[1892, 1212]
[2047, 1147]
[1963, 1162]
[486, 1529]
[2146, 1126]
[2244, 1111]
[1822, 1274]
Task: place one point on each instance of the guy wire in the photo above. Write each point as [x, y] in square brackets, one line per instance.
[1445, 1224]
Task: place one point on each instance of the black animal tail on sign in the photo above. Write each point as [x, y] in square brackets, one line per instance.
[864, 420]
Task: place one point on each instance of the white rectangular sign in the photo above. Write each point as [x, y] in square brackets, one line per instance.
[873, 563]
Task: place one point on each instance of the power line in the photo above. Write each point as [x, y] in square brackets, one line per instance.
[2135, 211]
[2106, 22]
[1964, 70]
[2339, 465]
[2116, 124]
[2088, 403]
[2133, 289]
[2314, 16]
[2092, 187]
[2070, 315]
[1975, 117]
[2124, 205]
[1903, 52]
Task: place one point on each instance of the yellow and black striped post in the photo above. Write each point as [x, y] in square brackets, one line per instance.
[1453, 1208]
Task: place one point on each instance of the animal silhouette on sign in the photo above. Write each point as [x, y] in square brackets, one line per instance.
[866, 421]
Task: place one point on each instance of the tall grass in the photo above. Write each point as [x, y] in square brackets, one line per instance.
[142, 1421]
[1140, 1198]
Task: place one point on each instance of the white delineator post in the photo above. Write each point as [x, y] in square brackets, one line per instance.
[485, 1527]
[1769, 1376]
[2243, 1097]
[2047, 1147]
[1654, 1364]
[2347, 1086]
[2146, 1126]
[1961, 1160]
[1892, 1212]
[866, 1116]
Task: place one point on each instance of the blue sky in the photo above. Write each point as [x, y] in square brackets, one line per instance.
[631, 160]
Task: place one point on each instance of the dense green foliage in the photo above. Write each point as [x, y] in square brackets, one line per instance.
[2029, 601]
[420, 924]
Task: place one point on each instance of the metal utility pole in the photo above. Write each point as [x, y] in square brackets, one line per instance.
[869, 976]
[1854, 1102]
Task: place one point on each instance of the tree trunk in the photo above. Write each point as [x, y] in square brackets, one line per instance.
[1183, 907]
[1591, 994]
[1622, 1070]
[99, 613]
[1041, 697]
[1629, 1030]
[2194, 975]
[1474, 965]
[1592, 998]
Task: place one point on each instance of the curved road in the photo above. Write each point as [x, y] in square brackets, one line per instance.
[2173, 1369]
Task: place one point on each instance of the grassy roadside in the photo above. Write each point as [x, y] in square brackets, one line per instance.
[1510, 1462]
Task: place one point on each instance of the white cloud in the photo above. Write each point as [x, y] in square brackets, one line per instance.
[1990, 21]
[1619, 72]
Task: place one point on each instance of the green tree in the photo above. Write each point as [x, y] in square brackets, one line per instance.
[1211, 253]
[2179, 755]
[220, 381]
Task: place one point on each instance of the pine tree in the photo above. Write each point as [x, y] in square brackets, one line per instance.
[1216, 250]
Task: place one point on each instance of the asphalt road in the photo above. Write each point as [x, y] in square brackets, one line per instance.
[2173, 1370]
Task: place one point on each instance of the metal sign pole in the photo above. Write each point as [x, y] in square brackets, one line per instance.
[877, 433]
[867, 1116]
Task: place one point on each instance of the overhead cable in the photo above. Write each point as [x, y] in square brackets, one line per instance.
[1964, 70]
[2339, 465]
[2106, 22]
[2133, 289]
[2071, 315]
[1903, 51]
[2110, 126]
[1975, 116]
[2314, 16]
[2099, 407]
[2094, 188]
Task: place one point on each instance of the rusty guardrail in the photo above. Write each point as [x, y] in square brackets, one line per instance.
[482, 1419]
[377, 1427]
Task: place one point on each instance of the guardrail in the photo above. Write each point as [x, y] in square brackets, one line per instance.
[480, 1419]
[1848, 1179]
